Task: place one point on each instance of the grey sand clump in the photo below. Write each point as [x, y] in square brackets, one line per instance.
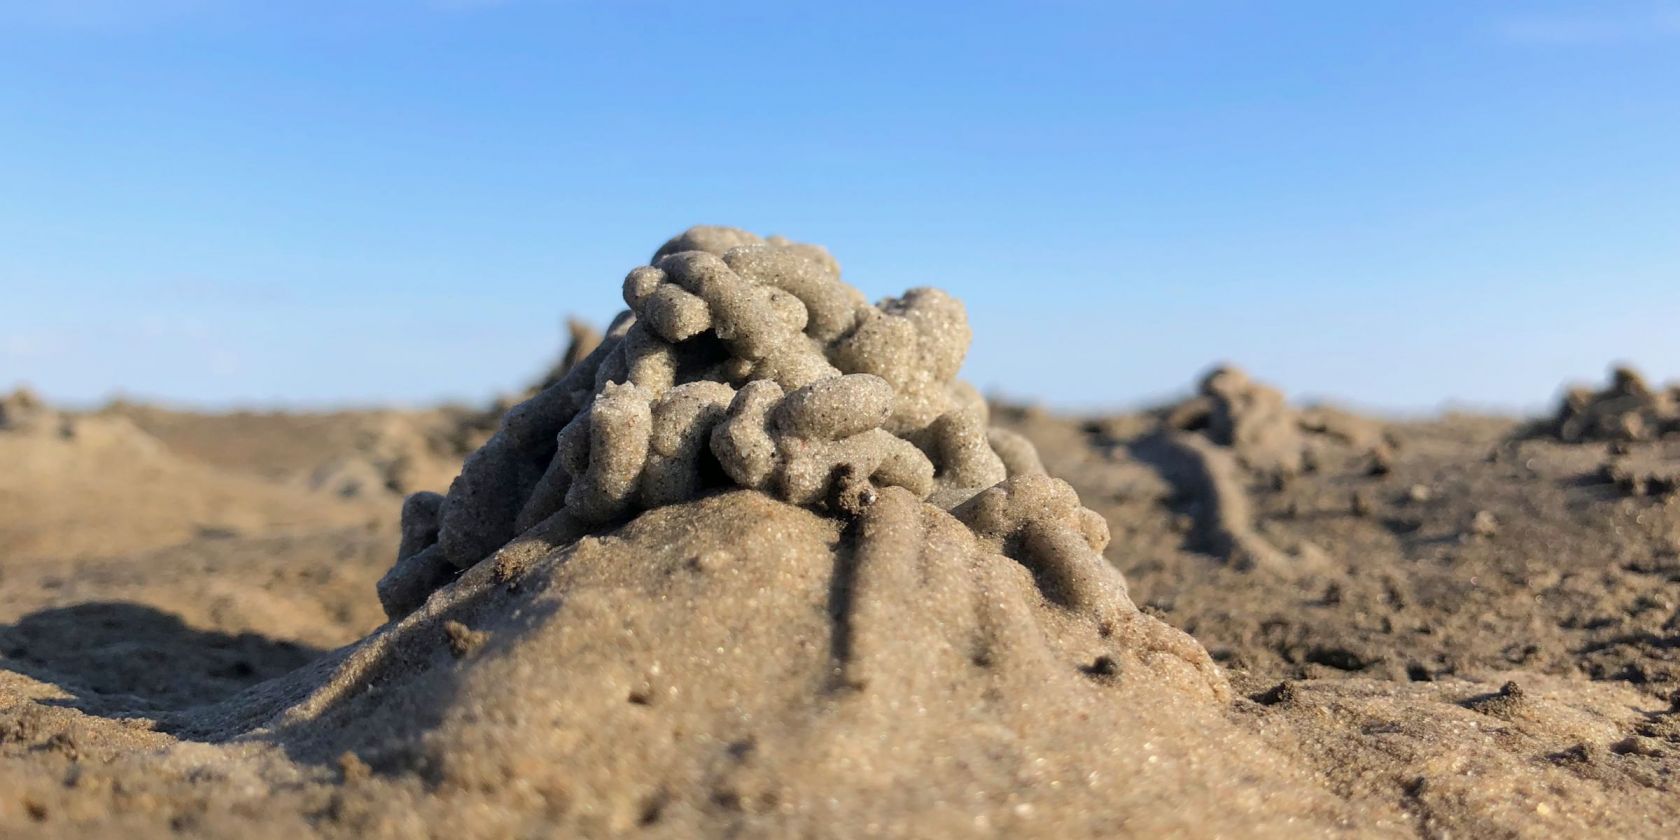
[741, 362]
[1628, 410]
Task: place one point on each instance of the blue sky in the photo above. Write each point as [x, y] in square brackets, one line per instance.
[1391, 204]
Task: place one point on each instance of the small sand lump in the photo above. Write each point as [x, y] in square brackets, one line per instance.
[1268, 435]
[1628, 410]
[24, 411]
[741, 361]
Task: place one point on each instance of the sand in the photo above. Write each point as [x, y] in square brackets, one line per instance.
[1238, 616]
[100, 486]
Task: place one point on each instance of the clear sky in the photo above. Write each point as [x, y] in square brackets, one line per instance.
[1393, 204]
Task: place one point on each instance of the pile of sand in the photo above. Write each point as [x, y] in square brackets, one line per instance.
[1629, 409]
[1633, 418]
[737, 664]
[23, 411]
[753, 366]
[1478, 548]
[96, 485]
[734, 660]
[1236, 434]
[878, 629]
[378, 455]
[758, 565]
[1267, 435]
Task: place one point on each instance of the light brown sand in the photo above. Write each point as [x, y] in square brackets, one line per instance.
[1463, 630]
[99, 486]
[789, 676]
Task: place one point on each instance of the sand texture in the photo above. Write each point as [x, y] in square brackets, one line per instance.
[754, 563]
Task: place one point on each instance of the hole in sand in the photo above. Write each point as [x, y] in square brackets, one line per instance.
[1104, 667]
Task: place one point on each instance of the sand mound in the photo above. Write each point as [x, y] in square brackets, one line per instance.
[754, 367]
[737, 665]
[1265, 433]
[1236, 433]
[378, 455]
[1629, 409]
[392, 453]
[754, 566]
[24, 412]
[99, 486]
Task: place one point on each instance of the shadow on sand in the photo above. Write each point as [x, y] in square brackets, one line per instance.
[119, 658]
